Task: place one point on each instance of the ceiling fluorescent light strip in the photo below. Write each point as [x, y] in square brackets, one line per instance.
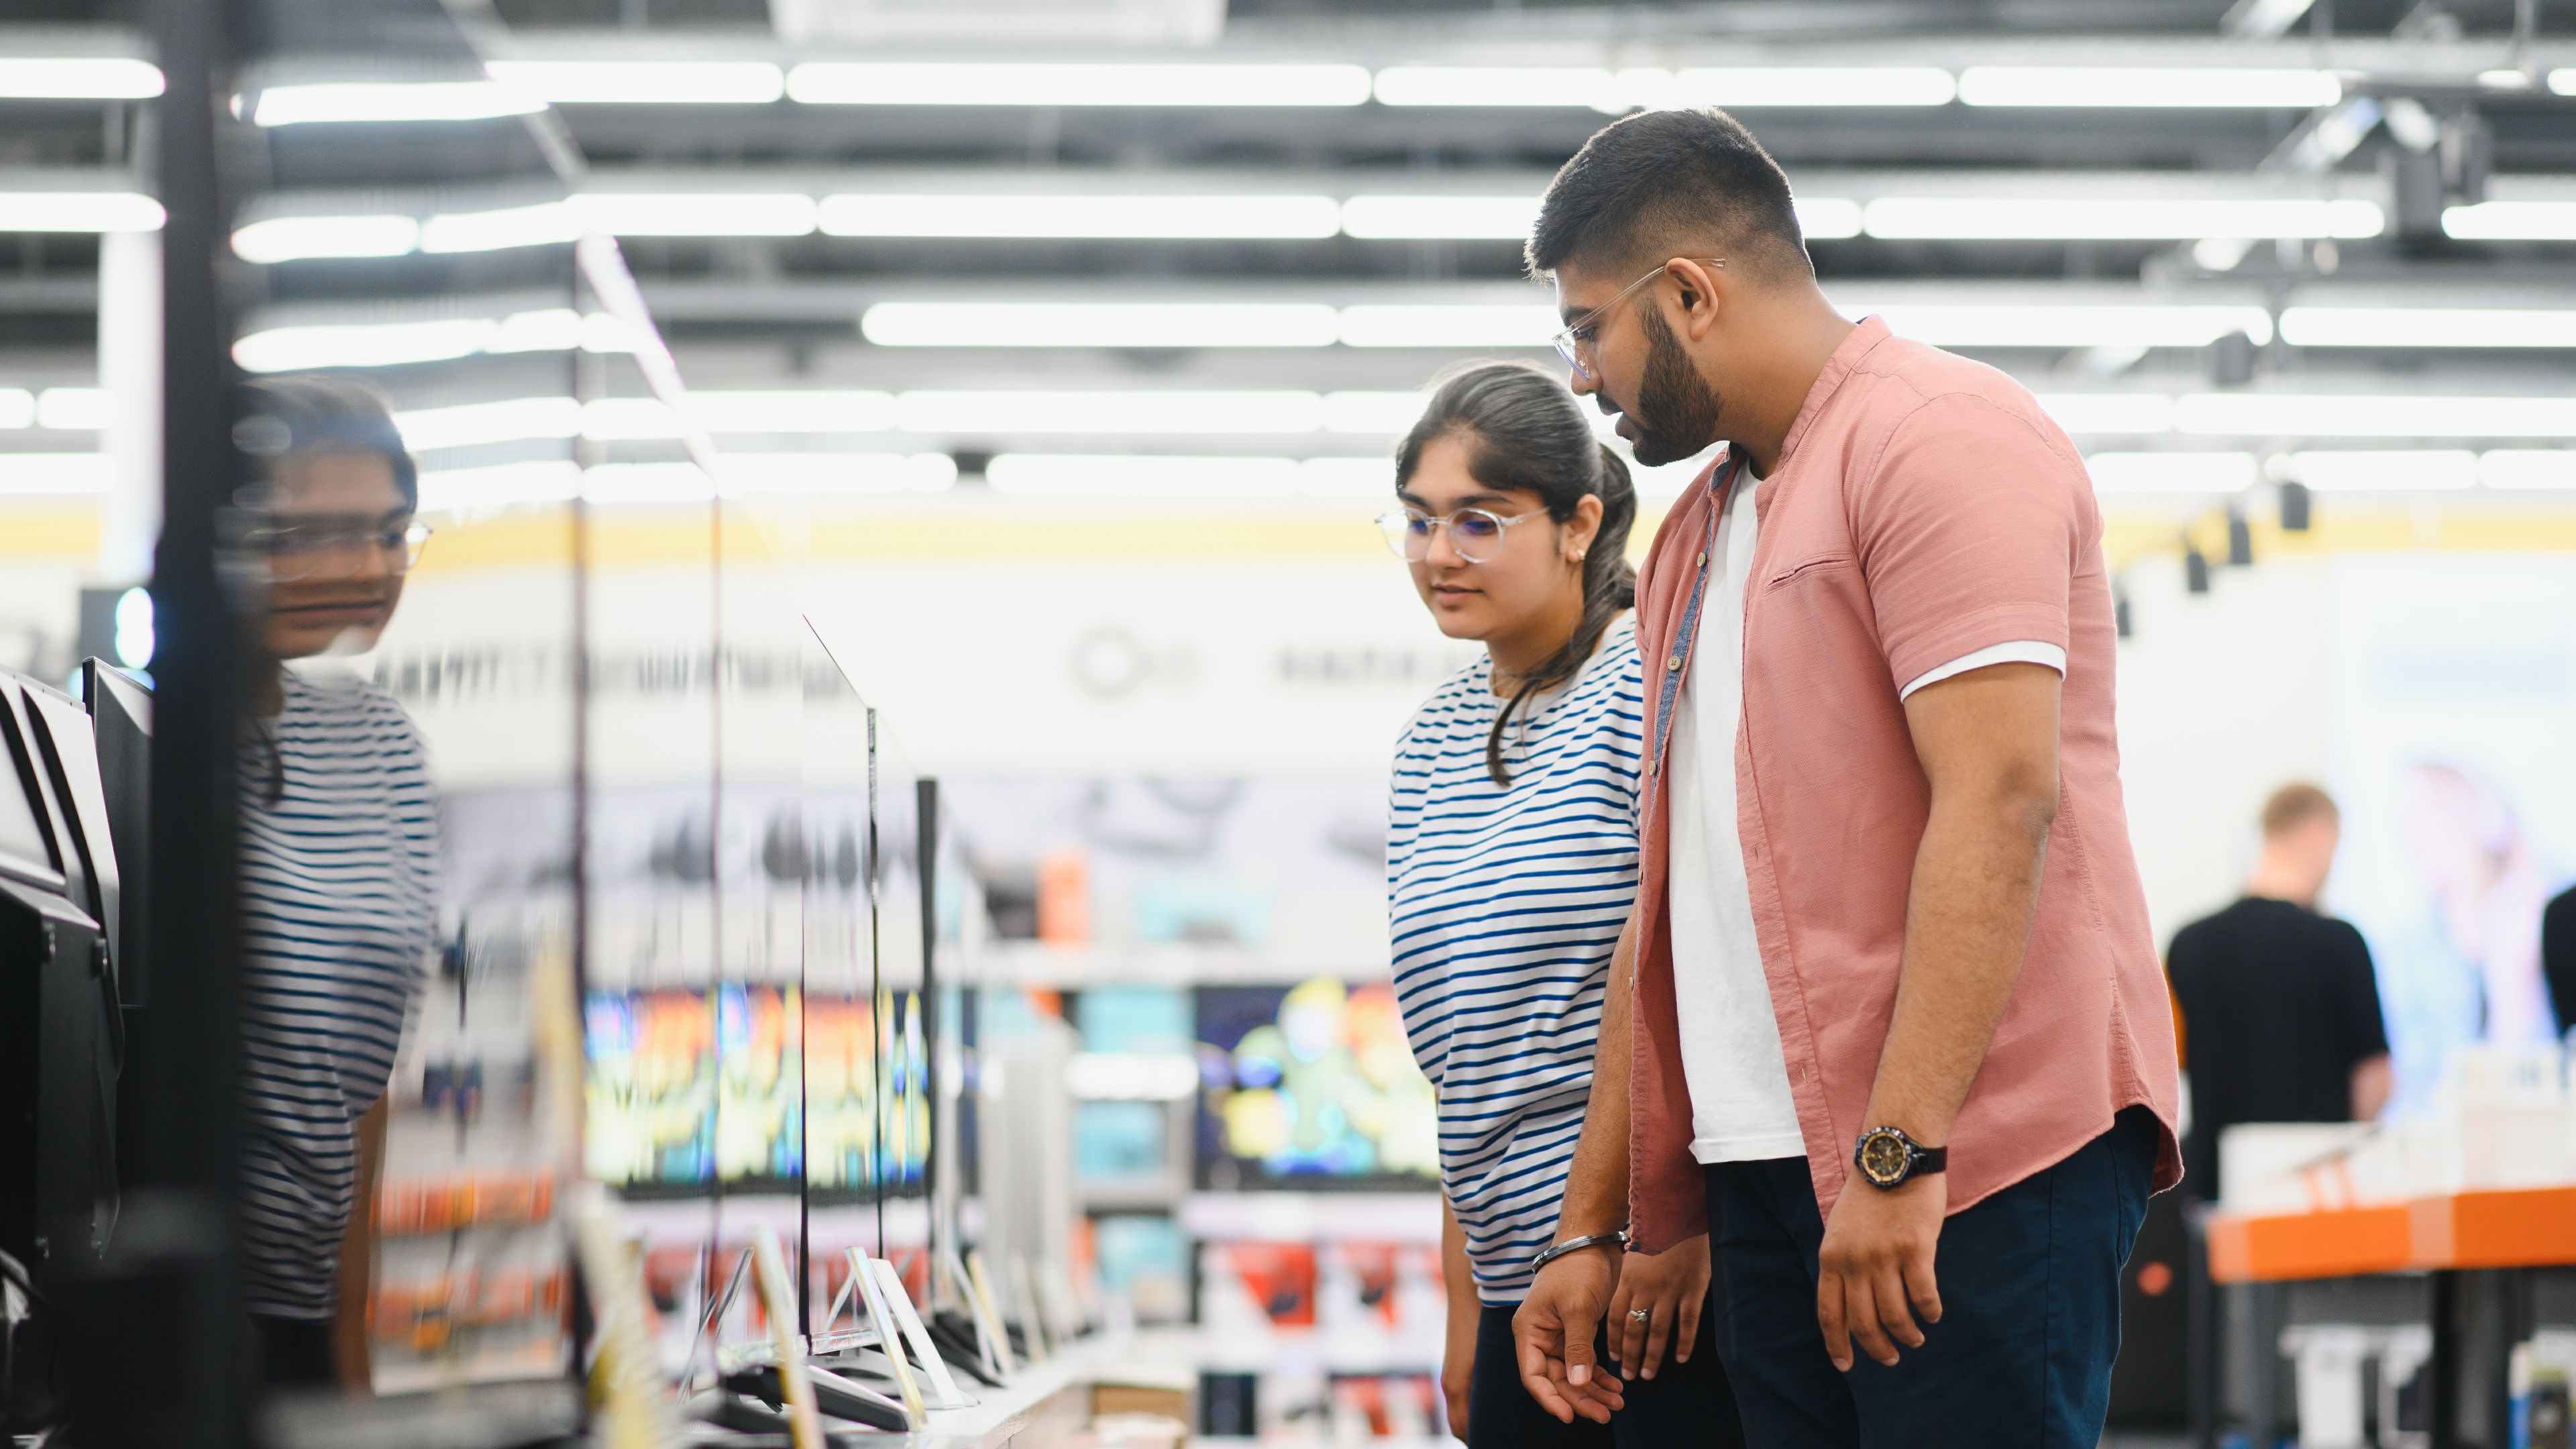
[78, 78]
[2428, 327]
[545, 223]
[1100, 324]
[74, 409]
[1961, 218]
[2114, 413]
[2074, 325]
[1148, 476]
[41, 473]
[1109, 412]
[780, 213]
[510, 420]
[644, 82]
[2385, 470]
[78, 211]
[1509, 218]
[2149, 87]
[390, 101]
[17, 408]
[395, 344]
[2171, 472]
[1571, 86]
[2528, 468]
[2511, 221]
[846, 83]
[1179, 217]
[2264, 415]
[1447, 218]
[302, 238]
[1758, 87]
[1510, 324]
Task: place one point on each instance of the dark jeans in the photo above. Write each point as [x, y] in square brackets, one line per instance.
[1683, 1404]
[294, 1353]
[2030, 1308]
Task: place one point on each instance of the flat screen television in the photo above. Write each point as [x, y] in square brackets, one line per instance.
[1310, 1086]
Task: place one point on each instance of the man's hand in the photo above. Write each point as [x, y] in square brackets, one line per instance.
[1876, 1258]
[1672, 1286]
[1552, 1334]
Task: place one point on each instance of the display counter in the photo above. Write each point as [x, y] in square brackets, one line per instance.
[2476, 1251]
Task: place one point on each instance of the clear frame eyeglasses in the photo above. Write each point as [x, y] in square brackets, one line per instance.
[1575, 343]
[1476, 534]
[302, 554]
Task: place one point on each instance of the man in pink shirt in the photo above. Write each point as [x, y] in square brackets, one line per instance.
[1895, 1031]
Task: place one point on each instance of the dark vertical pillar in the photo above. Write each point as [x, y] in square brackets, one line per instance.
[926, 869]
[2442, 1375]
[2200, 1355]
[161, 1359]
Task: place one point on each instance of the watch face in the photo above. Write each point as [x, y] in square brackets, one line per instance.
[1883, 1157]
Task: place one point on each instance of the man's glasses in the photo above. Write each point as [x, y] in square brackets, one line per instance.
[1476, 534]
[1576, 342]
[311, 552]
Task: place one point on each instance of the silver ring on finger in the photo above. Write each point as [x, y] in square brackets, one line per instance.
[1641, 1315]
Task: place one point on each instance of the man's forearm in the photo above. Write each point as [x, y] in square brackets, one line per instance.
[1596, 1182]
[1967, 926]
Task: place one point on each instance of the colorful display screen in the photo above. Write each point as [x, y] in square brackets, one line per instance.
[1310, 1086]
[650, 1088]
[750, 1084]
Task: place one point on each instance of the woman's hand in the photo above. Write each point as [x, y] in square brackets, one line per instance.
[1671, 1289]
[1458, 1367]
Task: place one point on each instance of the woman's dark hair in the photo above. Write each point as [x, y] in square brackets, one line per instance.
[325, 413]
[1524, 431]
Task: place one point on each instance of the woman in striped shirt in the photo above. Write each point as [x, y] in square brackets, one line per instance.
[1511, 866]
[339, 862]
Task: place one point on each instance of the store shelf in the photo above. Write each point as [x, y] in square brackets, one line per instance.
[2499, 1228]
[1317, 1217]
[1032, 964]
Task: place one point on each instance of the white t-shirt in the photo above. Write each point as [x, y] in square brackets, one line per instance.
[1741, 1110]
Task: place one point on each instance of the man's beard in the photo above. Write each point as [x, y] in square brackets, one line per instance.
[1677, 411]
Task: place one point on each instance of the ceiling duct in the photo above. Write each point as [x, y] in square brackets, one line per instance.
[1008, 22]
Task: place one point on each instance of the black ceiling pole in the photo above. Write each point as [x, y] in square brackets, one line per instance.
[161, 1361]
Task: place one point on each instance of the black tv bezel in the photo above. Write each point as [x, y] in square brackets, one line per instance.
[36, 790]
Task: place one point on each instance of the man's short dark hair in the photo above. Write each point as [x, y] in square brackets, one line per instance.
[1669, 184]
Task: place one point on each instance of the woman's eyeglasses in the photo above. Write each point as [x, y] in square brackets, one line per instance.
[304, 553]
[1476, 534]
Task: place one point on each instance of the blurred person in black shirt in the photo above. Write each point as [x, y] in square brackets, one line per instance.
[2277, 1009]
[2558, 957]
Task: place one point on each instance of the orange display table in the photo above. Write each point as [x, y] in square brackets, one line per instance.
[2496, 1228]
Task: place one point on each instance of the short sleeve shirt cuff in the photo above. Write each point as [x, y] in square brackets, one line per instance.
[2018, 651]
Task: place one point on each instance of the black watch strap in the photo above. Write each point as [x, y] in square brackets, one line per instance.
[1887, 1159]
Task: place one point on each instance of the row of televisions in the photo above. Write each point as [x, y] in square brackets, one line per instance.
[75, 807]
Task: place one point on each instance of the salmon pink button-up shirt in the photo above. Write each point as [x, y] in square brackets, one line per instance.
[1922, 508]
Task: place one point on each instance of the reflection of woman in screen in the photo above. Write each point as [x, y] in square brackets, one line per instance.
[339, 859]
[1511, 867]
[2487, 891]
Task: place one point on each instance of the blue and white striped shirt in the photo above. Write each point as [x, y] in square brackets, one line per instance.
[1503, 906]
[339, 914]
